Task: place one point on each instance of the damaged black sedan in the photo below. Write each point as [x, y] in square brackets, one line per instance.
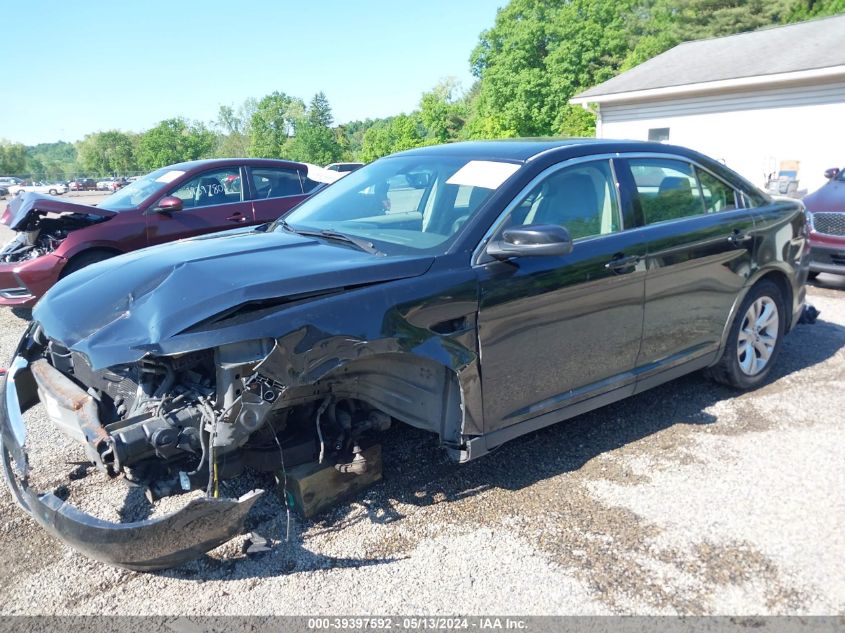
[479, 291]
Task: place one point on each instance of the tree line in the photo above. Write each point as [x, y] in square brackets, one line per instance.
[527, 66]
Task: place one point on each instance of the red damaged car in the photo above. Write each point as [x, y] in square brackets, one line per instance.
[55, 238]
[826, 221]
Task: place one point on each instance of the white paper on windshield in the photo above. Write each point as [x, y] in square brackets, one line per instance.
[483, 173]
[170, 176]
[320, 174]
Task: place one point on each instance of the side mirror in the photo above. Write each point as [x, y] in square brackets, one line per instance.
[833, 172]
[168, 205]
[533, 240]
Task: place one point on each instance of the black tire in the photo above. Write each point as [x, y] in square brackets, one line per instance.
[728, 370]
[23, 313]
[52, 192]
[85, 259]
[812, 275]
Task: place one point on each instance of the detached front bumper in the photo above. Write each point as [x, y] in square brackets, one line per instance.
[172, 540]
[23, 283]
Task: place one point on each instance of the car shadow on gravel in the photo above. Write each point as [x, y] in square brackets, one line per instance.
[417, 473]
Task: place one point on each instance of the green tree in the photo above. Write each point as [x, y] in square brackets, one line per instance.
[111, 152]
[541, 52]
[806, 9]
[443, 112]
[174, 141]
[319, 110]
[315, 141]
[233, 129]
[391, 135]
[273, 124]
[57, 160]
[12, 158]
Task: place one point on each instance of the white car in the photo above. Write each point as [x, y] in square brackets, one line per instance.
[56, 189]
[9, 181]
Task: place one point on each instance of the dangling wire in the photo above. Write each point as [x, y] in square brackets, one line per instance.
[320, 430]
[284, 488]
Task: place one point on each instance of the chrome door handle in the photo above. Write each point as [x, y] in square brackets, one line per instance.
[738, 238]
[622, 261]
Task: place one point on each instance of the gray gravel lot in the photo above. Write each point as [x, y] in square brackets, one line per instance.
[690, 499]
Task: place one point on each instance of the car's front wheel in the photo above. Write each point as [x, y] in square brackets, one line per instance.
[754, 339]
[52, 192]
[85, 259]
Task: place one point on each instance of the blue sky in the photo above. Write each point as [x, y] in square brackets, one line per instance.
[73, 68]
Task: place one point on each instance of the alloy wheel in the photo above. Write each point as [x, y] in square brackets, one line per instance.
[758, 336]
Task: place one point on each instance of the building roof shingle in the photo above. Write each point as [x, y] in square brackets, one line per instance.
[803, 46]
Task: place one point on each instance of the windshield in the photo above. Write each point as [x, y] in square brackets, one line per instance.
[406, 203]
[136, 192]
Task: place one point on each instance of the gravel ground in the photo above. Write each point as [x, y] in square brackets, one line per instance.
[688, 499]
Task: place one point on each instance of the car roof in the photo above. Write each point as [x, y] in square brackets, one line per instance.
[224, 162]
[524, 150]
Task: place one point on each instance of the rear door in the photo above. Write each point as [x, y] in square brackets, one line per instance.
[700, 245]
[212, 201]
[275, 191]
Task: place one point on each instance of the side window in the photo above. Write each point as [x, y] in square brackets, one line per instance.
[275, 183]
[752, 199]
[668, 189]
[717, 195]
[581, 198]
[221, 186]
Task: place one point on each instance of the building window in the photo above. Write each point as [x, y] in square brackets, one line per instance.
[658, 134]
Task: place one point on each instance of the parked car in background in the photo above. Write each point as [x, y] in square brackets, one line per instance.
[104, 185]
[344, 167]
[83, 184]
[479, 291]
[826, 221]
[117, 183]
[53, 189]
[55, 238]
[9, 181]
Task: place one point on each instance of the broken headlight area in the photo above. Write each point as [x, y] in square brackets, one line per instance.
[31, 244]
[42, 234]
[186, 426]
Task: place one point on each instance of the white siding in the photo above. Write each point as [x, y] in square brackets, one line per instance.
[750, 131]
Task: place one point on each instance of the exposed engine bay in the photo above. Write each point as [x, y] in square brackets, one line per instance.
[42, 234]
[174, 425]
[42, 223]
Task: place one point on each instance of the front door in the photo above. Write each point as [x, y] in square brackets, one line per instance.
[554, 331]
[212, 201]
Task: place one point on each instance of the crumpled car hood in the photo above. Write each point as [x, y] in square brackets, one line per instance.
[120, 309]
[23, 207]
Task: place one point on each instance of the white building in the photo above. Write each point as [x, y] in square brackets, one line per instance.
[759, 101]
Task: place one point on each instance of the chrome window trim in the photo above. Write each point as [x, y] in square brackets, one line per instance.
[478, 252]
